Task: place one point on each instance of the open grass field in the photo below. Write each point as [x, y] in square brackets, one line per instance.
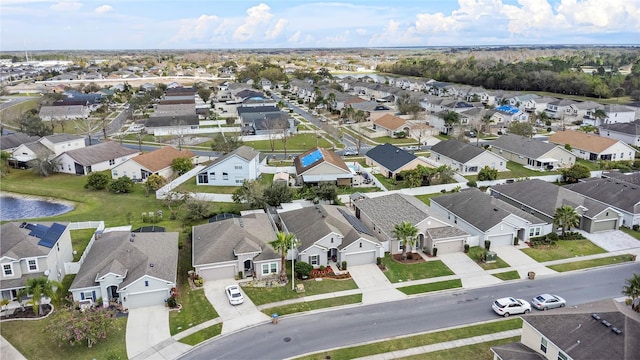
[397, 272]
[585, 264]
[563, 249]
[299, 142]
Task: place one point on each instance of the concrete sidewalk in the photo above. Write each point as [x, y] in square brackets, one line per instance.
[9, 352]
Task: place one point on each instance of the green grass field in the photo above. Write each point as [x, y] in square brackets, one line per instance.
[264, 295]
[397, 272]
[563, 249]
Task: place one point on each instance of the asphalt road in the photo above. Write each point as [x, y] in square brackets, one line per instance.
[296, 335]
[14, 100]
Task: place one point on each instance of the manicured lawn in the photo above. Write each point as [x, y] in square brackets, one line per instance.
[196, 309]
[508, 275]
[263, 295]
[390, 140]
[519, 171]
[426, 198]
[29, 338]
[585, 264]
[11, 114]
[563, 249]
[202, 335]
[387, 183]
[299, 142]
[313, 305]
[476, 252]
[419, 340]
[79, 241]
[397, 272]
[635, 234]
[436, 286]
[591, 165]
[476, 351]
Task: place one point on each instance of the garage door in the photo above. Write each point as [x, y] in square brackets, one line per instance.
[219, 273]
[361, 258]
[448, 247]
[500, 240]
[147, 299]
[603, 225]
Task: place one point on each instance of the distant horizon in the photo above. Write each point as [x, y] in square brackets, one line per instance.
[120, 25]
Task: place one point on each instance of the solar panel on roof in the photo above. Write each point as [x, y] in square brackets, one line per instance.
[311, 158]
[355, 222]
[52, 235]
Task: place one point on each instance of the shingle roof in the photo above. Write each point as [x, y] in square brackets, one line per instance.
[583, 141]
[177, 120]
[327, 156]
[389, 121]
[445, 232]
[14, 140]
[101, 152]
[162, 158]
[390, 157]
[113, 252]
[311, 224]
[522, 145]
[457, 150]
[221, 241]
[243, 151]
[479, 209]
[18, 244]
[614, 192]
[60, 138]
[632, 128]
[616, 108]
[257, 109]
[389, 210]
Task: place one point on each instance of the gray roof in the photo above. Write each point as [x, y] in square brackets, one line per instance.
[632, 128]
[547, 197]
[60, 138]
[221, 241]
[481, 210]
[516, 351]
[617, 108]
[445, 232]
[522, 145]
[633, 178]
[390, 156]
[12, 141]
[98, 153]
[311, 224]
[16, 242]
[457, 150]
[617, 193]
[243, 151]
[38, 148]
[153, 254]
[389, 210]
[178, 120]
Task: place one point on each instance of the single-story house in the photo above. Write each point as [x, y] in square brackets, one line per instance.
[329, 235]
[319, 165]
[99, 157]
[593, 147]
[70, 112]
[10, 142]
[487, 218]
[228, 247]
[381, 214]
[465, 158]
[392, 125]
[31, 250]
[629, 133]
[139, 168]
[232, 169]
[390, 160]
[532, 153]
[171, 124]
[133, 269]
[605, 329]
[541, 199]
[48, 147]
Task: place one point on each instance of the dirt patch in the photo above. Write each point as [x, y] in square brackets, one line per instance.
[415, 258]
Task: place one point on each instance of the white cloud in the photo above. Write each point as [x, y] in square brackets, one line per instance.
[276, 30]
[197, 29]
[66, 6]
[602, 15]
[103, 9]
[361, 31]
[295, 37]
[256, 16]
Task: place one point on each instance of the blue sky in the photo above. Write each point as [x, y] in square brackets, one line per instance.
[238, 24]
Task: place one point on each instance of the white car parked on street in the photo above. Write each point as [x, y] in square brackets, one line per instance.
[510, 306]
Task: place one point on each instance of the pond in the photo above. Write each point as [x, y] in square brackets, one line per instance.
[18, 207]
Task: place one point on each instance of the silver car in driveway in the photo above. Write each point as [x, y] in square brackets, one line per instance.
[547, 301]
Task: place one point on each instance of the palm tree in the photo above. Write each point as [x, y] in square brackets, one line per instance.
[543, 117]
[600, 114]
[406, 233]
[566, 217]
[451, 118]
[632, 288]
[282, 244]
[5, 156]
[40, 288]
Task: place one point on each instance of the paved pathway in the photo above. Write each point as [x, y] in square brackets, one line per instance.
[375, 286]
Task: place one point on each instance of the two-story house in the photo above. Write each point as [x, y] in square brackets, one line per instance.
[232, 169]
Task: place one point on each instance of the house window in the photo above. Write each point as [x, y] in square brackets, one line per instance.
[32, 264]
[146, 283]
[225, 176]
[239, 180]
[238, 166]
[274, 268]
[115, 172]
[360, 244]
[87, 295]
[7, 269]
[203, 178]
[473, 169]
[112, 162]
[562, 356]
[314, 260]
[543, 345]
[270, 268]
[212, 176]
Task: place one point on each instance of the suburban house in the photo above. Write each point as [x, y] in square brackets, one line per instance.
[234, 245]
[536, 105]
[99, 157]
[133, 269]
[31, 250]
[320, 165]
[264, 120]
[329, 235]
[232, 169]
[139, 168]
[171, 124]
[618, 114]
[390, 160]
[372, 109]
[46, 147]
[391, 125]
[70, 112]
[487, 218]
[541, 199]
[465, 158]
[10, 142]
[532, 153]
[629, 133]
[506, 114]
[381, 214]
[557, 108]
[621, 193]
[583, 111]
[593, 147]
[605, 329]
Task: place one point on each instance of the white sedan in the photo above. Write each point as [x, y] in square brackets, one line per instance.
[234, 295]
[510, 306]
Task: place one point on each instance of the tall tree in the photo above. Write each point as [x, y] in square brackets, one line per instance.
[407, 234]
[632, 287]
[251, 192]
[451, 118]
[181, 165]
[283, 243]
[40, 288]
[277, 193]
[566, 217]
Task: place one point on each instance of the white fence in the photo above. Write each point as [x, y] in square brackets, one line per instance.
[277, 169]
[163, 191]
[74, 267]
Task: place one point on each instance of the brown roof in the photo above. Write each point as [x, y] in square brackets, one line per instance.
[327, 156]
[354, 100]
[390, 122]
[157, 160]
[582, 141]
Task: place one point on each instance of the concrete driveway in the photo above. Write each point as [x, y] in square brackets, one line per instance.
[146, 327]
[374, 285]
[233, 317]
[614, 240]
[471, 274]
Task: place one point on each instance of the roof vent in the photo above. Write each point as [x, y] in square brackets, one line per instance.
[324, 216]
[23, 224]
[151, 265]
[616, 330]
[606, 323]
[596, 316]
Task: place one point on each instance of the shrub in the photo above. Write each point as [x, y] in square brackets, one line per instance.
[198, 282]
[487, 173]
[636, 227]
[379, 261]
[344, 265]
[172, 302]
[435, 251]
[321, 268]
[472, 183]
[487, 244]
[516, 241]
[302, 269]
[552, 236]
[466, 248]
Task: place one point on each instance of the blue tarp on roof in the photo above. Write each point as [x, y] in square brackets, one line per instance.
[508, 109]
[311, 158]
